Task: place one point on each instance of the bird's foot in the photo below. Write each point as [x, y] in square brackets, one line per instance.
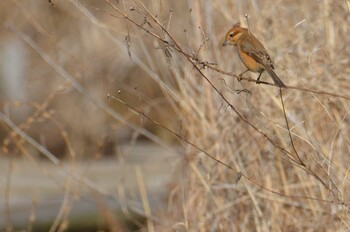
[240, 77]
[258, 79]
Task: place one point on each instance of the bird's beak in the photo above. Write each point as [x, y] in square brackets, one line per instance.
[225, 43]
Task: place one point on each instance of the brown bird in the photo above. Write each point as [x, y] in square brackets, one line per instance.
[252, 53]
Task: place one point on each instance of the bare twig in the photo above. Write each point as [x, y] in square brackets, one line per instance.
[239, 174]
[288, 128]
[195, 63]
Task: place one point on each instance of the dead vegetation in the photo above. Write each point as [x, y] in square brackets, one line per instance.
[258, 158]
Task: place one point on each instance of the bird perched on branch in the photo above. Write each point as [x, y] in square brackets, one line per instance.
[252, 53]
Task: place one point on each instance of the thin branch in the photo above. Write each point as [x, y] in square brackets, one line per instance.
[239, 174]
[288, 128]
[194, 62]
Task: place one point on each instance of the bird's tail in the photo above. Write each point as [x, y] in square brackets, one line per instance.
[275, 78]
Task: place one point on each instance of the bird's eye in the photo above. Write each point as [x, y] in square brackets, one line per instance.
[231, 34]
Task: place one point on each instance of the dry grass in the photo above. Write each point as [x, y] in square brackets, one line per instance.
[167, 61]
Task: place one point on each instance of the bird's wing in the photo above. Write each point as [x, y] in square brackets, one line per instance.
[256, 50]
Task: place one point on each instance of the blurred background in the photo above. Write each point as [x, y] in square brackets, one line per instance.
[100, 110]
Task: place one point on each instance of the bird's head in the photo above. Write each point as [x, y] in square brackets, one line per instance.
[233, 35]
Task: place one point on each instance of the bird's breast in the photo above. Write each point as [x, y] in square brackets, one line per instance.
[249, 62]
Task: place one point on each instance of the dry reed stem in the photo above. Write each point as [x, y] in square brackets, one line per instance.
[280, 162]
[144, 197]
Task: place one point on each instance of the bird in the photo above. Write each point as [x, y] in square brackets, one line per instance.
[252, 53]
